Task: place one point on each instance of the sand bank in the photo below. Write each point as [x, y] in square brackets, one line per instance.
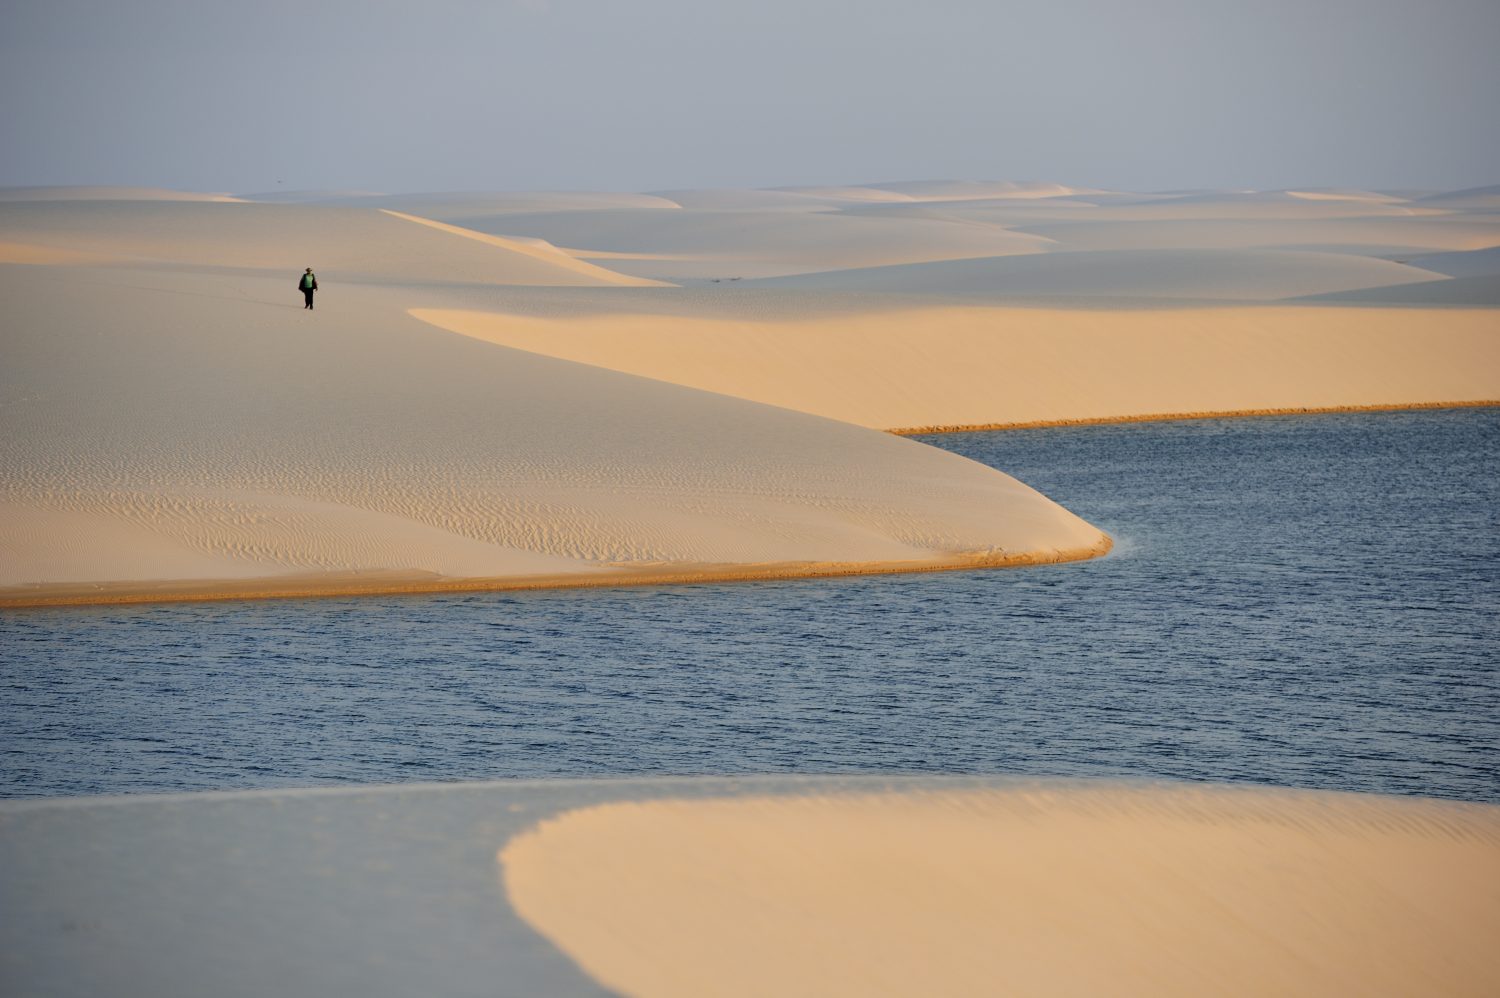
[1063, 891]
[911, 366]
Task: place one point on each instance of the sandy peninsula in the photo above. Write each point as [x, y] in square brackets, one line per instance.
[582, 389]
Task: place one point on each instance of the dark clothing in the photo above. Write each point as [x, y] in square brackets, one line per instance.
[308, 284]
[307, 297]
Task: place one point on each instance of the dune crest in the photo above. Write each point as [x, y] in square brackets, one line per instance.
[539, 249]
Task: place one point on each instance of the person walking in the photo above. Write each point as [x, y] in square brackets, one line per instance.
[308, 285]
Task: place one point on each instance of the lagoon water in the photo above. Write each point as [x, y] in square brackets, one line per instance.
[1307, 601]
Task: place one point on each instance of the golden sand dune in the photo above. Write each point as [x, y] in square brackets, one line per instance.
[455, 206]
[1081, 890]
[163, 429]
[343, 243]
[925, 364]
[715, 243]
[176, 424]
[971, 190]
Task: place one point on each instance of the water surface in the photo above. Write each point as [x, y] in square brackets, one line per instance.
[1303, 601]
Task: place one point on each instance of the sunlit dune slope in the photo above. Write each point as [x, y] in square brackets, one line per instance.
[341, 243]
[163, 431]
[910, 363]
[1082, 890]
[172, 418]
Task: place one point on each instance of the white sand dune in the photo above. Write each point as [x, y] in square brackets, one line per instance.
[776, 199]
[968, 190]
[172, 436]
[1344, 194]
[1044, 891]
[709, 243]
[106, 194]
[1235, 275]
[174, 424]
[344, 243]
[326, 196]
[910, 363]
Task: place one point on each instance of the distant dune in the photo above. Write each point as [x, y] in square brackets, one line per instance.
[709, 243]
[105, 194]
[345, 243]
[176, 425]
[1226, 275]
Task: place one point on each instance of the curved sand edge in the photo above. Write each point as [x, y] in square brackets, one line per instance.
[1068, 889]
[390, 583]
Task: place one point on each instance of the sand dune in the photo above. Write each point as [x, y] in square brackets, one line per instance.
[968, 190]
[105, 194]
[709, 244]
[1373, 236]
[537, 249]
[1344, 194]
[344, 243]
[923, 363]
[175, 424]
[1242, 275]
[162, 432]
[1046, 891]
[457, 206]
[778, 199]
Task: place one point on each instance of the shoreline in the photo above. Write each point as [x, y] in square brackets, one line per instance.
[331, 585]
[1173, 417]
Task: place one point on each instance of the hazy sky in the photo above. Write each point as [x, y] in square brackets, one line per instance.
[262, 95]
